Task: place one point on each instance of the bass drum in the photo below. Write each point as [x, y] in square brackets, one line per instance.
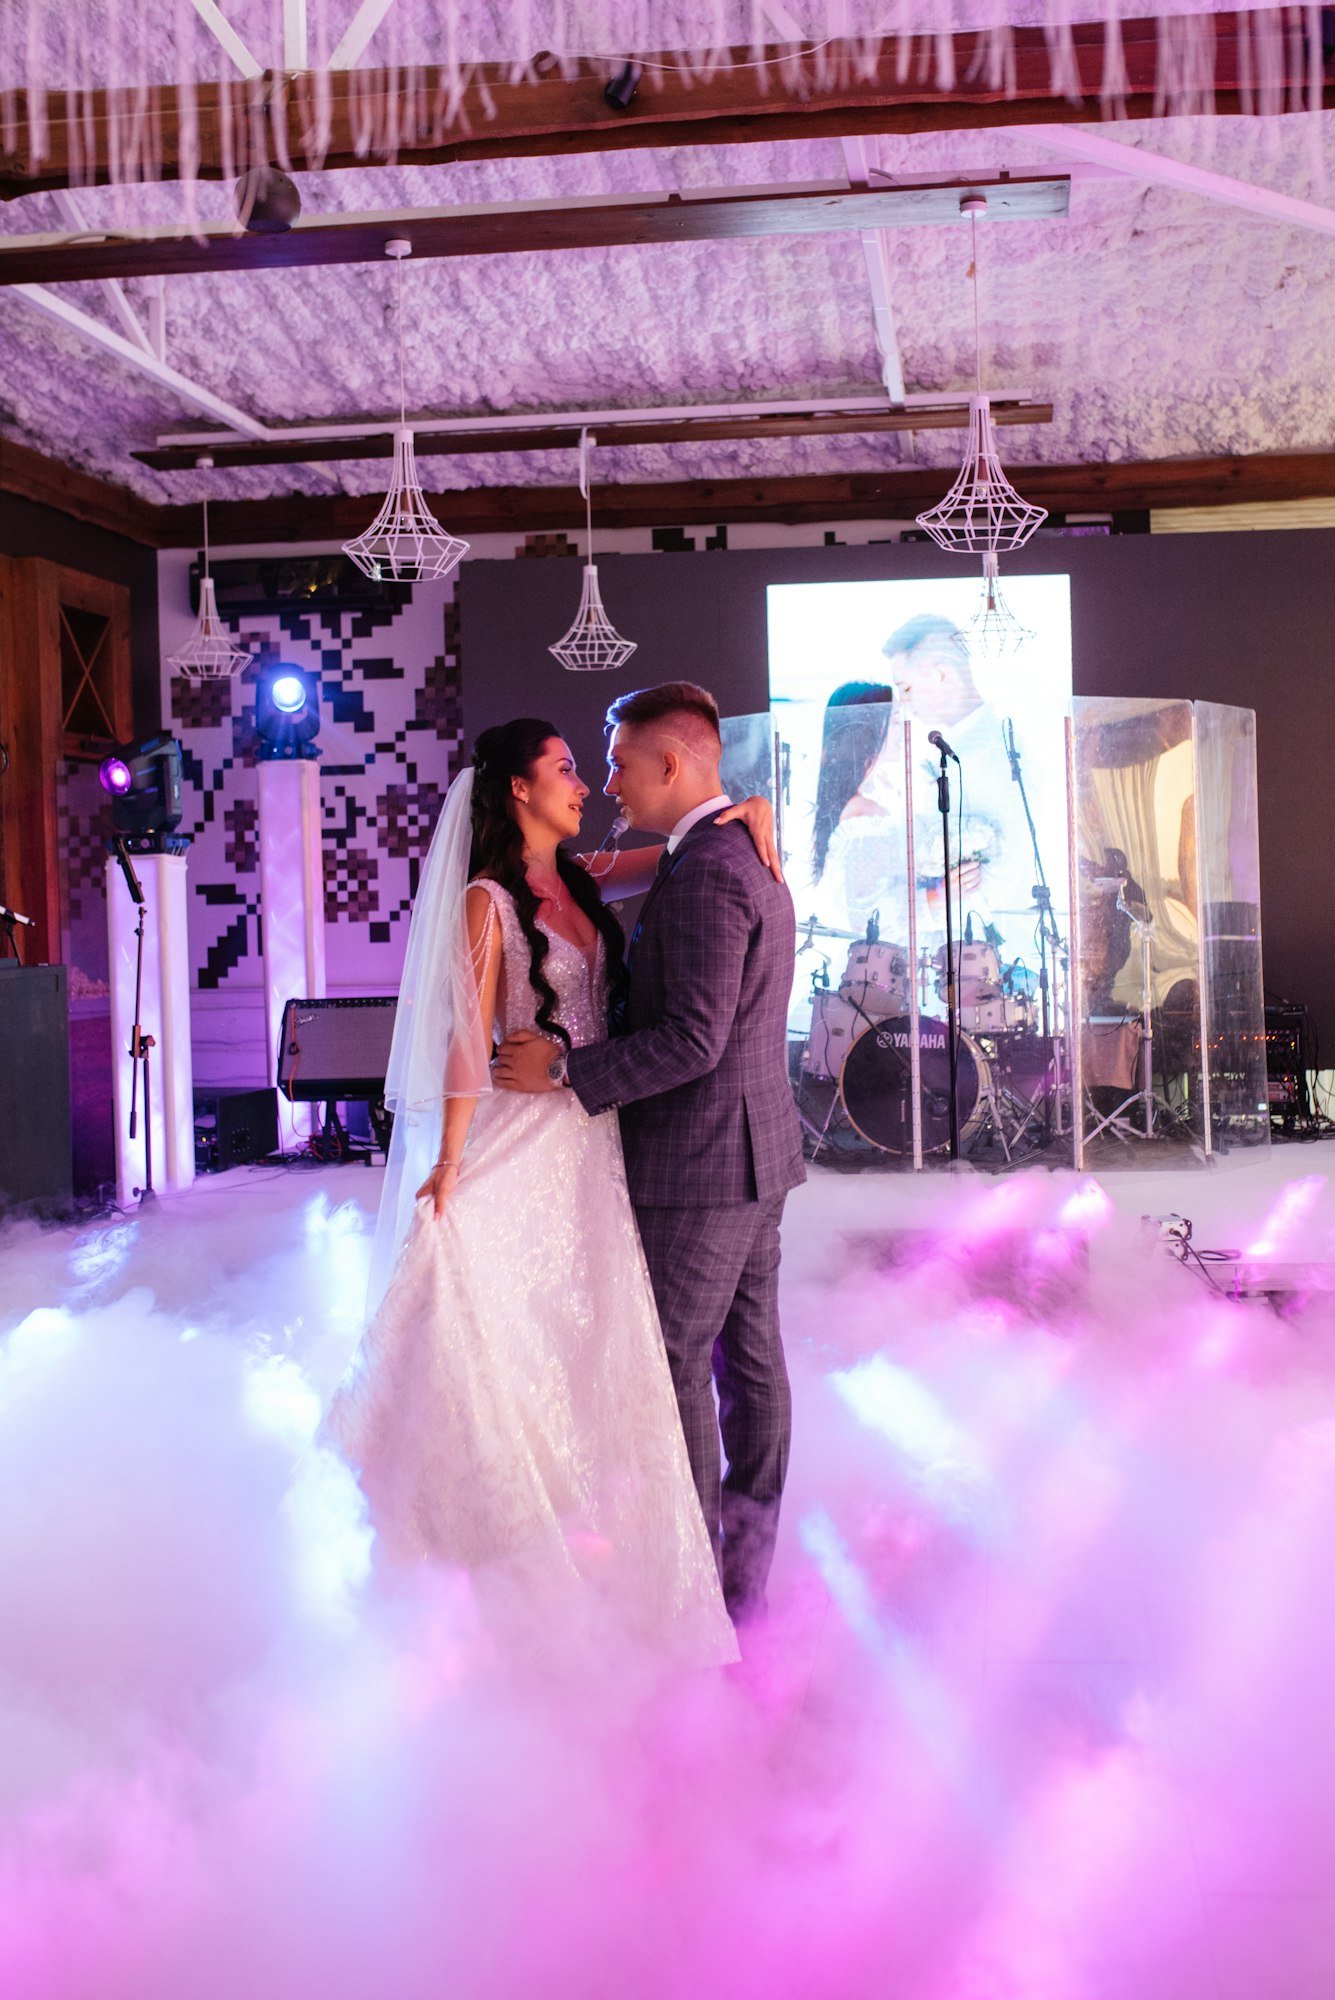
[874, 1086]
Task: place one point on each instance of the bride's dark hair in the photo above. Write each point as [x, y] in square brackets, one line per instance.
[510, 751]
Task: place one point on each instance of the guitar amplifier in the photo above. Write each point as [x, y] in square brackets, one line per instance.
[333, 1051]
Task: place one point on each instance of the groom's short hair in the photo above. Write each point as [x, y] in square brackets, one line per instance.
[693, 710]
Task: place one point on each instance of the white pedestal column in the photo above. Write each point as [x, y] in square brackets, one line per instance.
[164, 1013]
[292, 900]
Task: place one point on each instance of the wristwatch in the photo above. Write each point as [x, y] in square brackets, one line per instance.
[556, 1068]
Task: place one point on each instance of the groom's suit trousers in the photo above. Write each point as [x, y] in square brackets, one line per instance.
[715, 1274]
[712, 1146]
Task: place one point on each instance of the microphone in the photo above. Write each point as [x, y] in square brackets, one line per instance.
[1012, 754]
[938, 742]
[12, 917]
[117, 846]
[608, 842]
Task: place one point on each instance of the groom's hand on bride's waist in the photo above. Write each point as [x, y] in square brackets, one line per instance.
[529, 1061]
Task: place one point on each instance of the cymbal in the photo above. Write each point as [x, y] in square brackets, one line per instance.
[810, 928]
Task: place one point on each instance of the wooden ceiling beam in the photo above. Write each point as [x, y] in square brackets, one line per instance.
[504, 228]
[31, 475]
[855, 496]
[859, 496]
[790, 93]
[447, 444]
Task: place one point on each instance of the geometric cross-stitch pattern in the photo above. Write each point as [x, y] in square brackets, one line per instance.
[350, 877]
[242, 845]
[407, 816]
[199, 704]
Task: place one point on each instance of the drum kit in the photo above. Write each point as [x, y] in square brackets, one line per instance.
[853, 1068]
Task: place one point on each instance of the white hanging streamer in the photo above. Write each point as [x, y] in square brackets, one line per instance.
[87, 67]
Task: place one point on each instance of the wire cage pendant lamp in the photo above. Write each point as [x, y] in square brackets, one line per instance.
[405, 543]
[210, 653]
[593, 644]
[982, 514]
[994, 632]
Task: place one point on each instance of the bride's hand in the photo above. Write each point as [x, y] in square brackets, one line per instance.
[439, 1185]
[757, 816]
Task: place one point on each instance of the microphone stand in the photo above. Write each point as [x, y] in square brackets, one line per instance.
[1049, 938]
[952, 997]
[140, 1043]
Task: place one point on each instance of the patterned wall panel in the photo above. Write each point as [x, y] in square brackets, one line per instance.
[390, 738]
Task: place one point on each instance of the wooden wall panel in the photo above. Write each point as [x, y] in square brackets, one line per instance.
[32, 592]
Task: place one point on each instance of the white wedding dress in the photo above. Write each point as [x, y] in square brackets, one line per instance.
[510, 1409]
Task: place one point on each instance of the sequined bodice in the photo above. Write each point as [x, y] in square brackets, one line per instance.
[578, 978]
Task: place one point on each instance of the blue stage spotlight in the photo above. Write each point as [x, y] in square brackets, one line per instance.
[289, 693]
[287, 712]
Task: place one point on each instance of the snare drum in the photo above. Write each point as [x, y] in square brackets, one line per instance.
[991, 1013]
[835, 1026]
[877, 978]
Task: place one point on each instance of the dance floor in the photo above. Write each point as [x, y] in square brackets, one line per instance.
[1044, 1711]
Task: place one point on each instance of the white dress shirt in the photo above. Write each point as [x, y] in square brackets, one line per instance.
[690, 819]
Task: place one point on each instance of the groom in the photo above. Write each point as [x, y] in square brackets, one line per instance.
[707, 1119]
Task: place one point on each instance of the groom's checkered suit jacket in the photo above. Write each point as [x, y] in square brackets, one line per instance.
[701, 1076]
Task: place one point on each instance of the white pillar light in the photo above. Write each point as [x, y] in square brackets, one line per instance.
[164, 1013]
[291, 898]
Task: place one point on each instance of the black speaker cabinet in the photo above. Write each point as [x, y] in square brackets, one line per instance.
[233, 1126]
[36, 1157]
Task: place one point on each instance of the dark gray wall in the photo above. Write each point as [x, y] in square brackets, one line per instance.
[1241, 618]
[28, 529]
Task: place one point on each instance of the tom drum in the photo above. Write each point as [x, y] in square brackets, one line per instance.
[877, 978]
[835, 1026]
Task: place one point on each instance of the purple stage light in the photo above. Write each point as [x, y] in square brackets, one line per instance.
[114, 773]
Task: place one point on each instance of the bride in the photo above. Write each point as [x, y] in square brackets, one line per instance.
[509, 1409]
